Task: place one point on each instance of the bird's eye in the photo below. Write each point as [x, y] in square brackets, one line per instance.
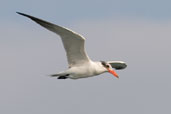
[107, 66]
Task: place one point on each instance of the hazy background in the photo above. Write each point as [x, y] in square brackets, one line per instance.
[135, 31]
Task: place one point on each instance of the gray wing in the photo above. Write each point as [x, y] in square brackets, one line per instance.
[118, 65]
[73, 42]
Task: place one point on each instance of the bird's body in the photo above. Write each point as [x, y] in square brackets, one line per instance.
[80, 65]
[87, 69]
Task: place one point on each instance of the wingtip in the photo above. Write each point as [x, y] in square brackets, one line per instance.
[21, 13]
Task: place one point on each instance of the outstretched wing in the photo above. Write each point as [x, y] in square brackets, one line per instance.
[118, 65]
[73, 42]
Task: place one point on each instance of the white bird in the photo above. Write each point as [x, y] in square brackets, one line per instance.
[80, 65]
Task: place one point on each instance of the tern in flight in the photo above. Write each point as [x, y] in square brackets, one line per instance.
[79, 64]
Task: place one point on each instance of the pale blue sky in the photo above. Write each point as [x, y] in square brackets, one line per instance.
[135, 31]
[97, 9]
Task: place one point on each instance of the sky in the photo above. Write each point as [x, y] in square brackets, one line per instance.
[134, 31]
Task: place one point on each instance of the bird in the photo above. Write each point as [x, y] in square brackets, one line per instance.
[79, 63]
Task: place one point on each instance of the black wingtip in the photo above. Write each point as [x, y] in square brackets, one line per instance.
[22, 14]
[31, 17]
[19, 13]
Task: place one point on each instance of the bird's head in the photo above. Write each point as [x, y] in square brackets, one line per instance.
[109, 69]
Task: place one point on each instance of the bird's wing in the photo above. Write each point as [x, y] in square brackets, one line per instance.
[118, 65]
[73, 42]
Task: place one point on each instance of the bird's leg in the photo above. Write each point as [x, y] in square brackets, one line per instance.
[63, 77]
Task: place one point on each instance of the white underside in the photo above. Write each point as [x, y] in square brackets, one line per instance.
[85, 70]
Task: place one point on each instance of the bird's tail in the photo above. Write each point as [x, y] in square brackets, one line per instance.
[54, 75]
[63, 73]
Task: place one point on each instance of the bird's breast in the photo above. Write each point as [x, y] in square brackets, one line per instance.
[86, 70]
